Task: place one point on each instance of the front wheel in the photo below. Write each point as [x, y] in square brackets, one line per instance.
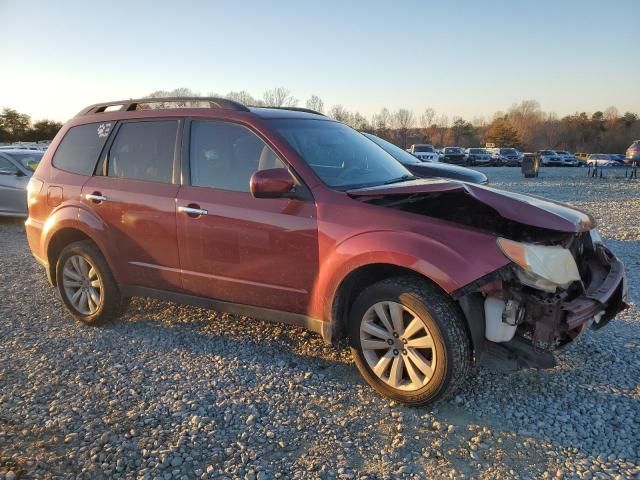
[408, 340]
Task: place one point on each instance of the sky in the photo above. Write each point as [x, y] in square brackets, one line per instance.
[461, 58]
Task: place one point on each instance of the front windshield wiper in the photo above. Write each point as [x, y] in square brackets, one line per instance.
[400, 179]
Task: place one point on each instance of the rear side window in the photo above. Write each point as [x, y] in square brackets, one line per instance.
[79, 149]
[144, 151]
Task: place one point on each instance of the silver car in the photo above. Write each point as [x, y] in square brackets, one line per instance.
[16, 168]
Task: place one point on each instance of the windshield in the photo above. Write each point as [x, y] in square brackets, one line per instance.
[396, 152]
[423, 148]
[508, 151]
[477, 150]
[339, 155]
[452, 150]
[28, 159]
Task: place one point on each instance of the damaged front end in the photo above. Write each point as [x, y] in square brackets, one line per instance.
[560, 281]
[544, 299]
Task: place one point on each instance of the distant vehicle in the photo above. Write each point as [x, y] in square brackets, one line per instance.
[16, 167]
[424, 152]
[478, 156]
[549, 158]
[633, 152]
[428, 169]
[24, 146]
[568, 159]
[618, 157]
[582, 156]
[601, 160]
[453, 155]
[506, 156]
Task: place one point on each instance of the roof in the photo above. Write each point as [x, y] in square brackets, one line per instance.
[268, 112]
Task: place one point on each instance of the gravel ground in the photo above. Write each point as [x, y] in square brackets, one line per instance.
[180, 392]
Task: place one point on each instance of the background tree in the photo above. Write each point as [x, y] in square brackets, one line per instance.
[315, 103]
[279, 97]
[44, 130]
[403, 120]
[14, 126]
[502, 133]
[244, 98]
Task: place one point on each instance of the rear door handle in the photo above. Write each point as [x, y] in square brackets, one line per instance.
[95, 197]
[193, 210]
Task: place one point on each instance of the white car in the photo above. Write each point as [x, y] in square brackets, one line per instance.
[478, 156]
[601, 160]
[424, 152]
[548, 158]
[568, 159]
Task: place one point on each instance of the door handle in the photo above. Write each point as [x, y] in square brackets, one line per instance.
[95, 197]
[193, 210]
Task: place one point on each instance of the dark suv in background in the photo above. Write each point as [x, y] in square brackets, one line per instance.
[290, 216]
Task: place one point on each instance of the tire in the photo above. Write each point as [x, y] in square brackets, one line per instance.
[70, 278]
[438, 316]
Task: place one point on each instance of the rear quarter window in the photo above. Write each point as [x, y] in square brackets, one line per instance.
[79, 149]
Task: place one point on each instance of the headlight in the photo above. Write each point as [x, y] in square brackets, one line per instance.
[543, 267]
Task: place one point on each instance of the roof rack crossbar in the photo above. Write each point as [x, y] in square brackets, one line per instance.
[132, 104]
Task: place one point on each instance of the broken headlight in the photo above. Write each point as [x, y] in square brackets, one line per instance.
[542, 267]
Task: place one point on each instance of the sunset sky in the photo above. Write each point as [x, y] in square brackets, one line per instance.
[467, 58]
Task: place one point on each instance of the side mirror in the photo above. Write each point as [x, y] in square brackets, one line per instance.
[271, 183]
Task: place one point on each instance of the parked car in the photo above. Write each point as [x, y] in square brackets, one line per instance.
[454, 155]
[478, 156]
[582, 157]
[617, 157]
[294, 217]
[549, 158]
[428, 169]
[601, 160]
[16, 167]
[424, 152]
[568, 159]
[509, 157]
[633, 153]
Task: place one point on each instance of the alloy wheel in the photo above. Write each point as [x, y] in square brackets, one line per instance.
[82, 284]
[397, 346]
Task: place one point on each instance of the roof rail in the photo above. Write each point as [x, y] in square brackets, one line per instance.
[294, 109]
[132, 104]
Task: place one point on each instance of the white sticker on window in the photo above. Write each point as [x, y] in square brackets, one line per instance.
[104, 129]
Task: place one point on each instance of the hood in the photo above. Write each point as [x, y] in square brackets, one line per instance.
[446, 170]
[523, 209]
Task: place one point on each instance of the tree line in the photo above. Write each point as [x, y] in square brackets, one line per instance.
[525, 125]
[18, 127]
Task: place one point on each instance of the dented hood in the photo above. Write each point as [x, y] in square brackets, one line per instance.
[525, 209]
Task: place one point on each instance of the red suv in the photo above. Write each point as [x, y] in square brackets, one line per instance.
[287, 215]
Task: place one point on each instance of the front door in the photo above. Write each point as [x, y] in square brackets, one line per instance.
[233, 247]
[134, 195]
[13, 184]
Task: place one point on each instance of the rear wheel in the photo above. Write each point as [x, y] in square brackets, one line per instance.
[409, 341]
[86, 284]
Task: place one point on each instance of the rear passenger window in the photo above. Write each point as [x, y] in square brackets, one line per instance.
[79, 149]
[225, 155]
[144, 151]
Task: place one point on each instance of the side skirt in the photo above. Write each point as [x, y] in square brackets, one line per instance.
[310, 323]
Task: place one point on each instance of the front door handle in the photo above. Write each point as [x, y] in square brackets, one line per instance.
[95, 197]
[193, 210]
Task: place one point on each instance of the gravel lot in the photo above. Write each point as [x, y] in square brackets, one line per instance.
[180, 392]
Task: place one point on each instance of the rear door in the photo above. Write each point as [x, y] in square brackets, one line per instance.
[13, 193]
[233, 247]
[134, 193]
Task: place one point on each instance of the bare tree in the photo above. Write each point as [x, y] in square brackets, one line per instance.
[244, 97]
[403, 120]
[315, 103]
[426, 119]
[177, 92]
[340, 113]
[279, 97]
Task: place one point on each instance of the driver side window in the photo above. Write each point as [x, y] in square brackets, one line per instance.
[224, 155]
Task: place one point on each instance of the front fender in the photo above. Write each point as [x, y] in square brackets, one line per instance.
[450, 266]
